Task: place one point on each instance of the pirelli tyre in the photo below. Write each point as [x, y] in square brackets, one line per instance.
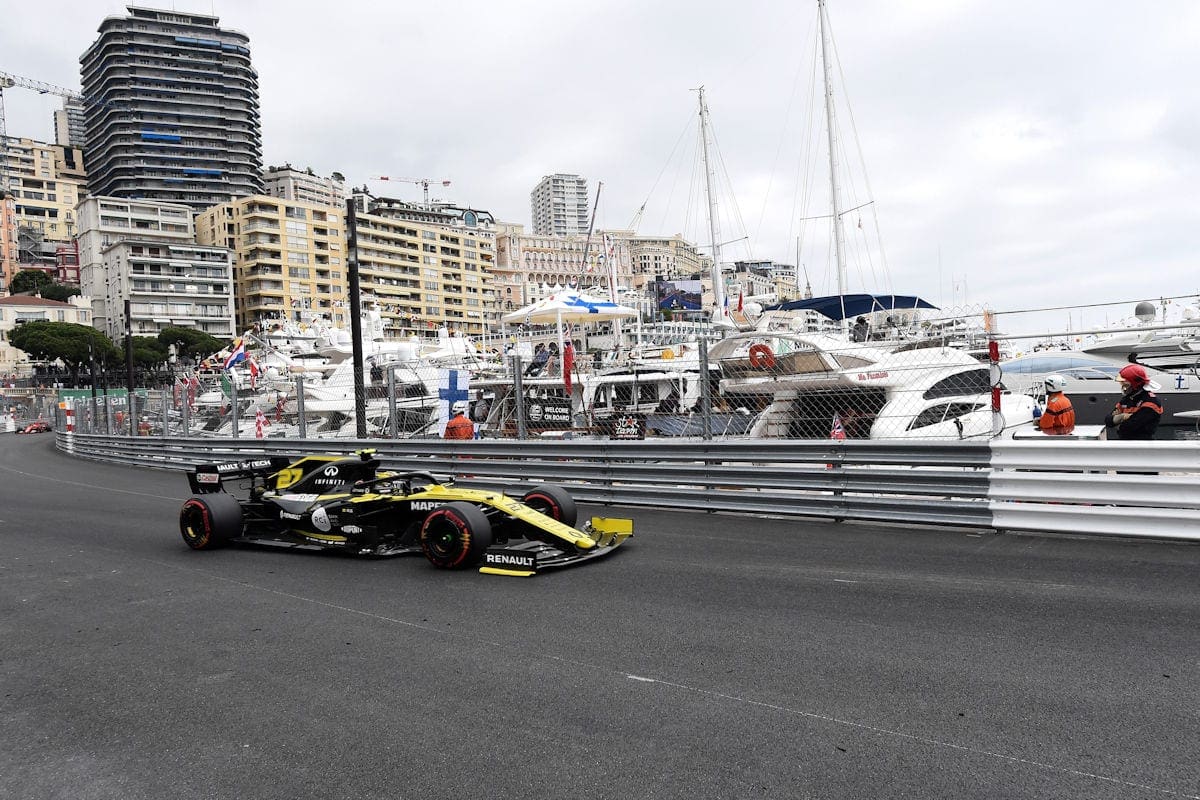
[454, 536]
[210, 520]
[554, 502]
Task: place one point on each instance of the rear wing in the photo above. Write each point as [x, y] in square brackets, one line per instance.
[207, 478]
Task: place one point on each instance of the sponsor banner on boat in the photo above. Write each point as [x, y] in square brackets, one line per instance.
[548, 413]
[628, 426]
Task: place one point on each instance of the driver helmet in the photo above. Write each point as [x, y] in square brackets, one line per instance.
[459, 407]
[1055, 383]
[1135, 374]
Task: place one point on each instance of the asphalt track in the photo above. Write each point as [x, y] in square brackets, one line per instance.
[715, 657]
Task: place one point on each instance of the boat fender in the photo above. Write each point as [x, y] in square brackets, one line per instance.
[761, 356]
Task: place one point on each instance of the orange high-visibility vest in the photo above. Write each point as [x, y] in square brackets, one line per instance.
[459, 427]
[1059, 417]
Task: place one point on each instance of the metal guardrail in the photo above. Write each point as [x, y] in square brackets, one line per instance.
[1137, 489]
[931, 483]
[1147, 489]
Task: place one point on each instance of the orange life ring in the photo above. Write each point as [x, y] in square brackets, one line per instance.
[761, 356]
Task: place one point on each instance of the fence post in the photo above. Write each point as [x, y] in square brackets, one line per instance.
[705, 393]
[303, 423]
[519, 395]
[233, 403]
[995, 375]
[166, 413]
[393, 423]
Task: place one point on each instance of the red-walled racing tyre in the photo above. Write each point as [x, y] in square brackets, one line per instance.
[455, 535]
[554, 502]
[210, 520]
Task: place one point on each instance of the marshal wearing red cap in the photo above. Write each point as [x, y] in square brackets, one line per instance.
[1138, 411]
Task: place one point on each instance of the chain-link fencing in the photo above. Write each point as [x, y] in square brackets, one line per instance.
[889, 375]
[1086, 352]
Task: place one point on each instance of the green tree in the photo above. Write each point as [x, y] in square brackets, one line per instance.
[28, 281]
[59, 291]
[68, 342]
[190, 343]
[148, 352]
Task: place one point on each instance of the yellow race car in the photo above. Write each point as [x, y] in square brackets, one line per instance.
[347, 503]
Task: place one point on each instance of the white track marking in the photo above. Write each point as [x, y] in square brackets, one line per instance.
[696, 690]
[629, 676]
[51, 479]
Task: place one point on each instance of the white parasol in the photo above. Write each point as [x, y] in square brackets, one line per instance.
[568, 306]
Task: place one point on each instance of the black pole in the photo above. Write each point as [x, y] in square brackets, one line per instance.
[129, 413]
[360, 396]
[92, 369]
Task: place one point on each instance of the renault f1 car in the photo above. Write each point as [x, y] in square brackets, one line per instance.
[347, 503]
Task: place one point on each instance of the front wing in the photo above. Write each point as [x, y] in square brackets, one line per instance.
[525, 559]
[565, 547]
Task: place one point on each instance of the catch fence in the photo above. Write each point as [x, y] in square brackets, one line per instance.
[774, 385]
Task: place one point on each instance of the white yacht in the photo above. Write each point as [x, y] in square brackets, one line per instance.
[817, 386]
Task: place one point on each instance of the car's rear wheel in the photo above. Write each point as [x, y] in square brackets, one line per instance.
[210, 520]
[454, 536]
[554, 502]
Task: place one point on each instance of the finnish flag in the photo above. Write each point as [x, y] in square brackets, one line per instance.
[453, 385]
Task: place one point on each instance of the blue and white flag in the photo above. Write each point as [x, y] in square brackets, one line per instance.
[453, 385]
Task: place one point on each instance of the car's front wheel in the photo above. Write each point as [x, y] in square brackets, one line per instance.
[210, 520]
[554, 502]
[454, 536]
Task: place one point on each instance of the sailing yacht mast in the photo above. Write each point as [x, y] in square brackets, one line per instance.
[718, 313]
[838, 234]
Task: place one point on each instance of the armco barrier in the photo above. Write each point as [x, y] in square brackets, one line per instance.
[1140, 489]
[944, 483]
[1078, 487]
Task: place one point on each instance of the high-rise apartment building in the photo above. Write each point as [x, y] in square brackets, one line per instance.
[302, 185]
[289, 257]
[45, 182]
[426, 268]
[168, 286]
[70, 124]
[181, 122]
[559, 204]
[105, 221]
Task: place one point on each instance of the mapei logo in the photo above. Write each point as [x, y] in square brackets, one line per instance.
[424, 505]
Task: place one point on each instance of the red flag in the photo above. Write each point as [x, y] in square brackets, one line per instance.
[568, 362]
[260, 421]
[739, 302]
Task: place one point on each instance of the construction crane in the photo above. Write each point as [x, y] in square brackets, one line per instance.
[424, 183]
[9, 81]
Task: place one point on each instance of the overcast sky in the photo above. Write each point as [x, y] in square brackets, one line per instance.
[1019, 154]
